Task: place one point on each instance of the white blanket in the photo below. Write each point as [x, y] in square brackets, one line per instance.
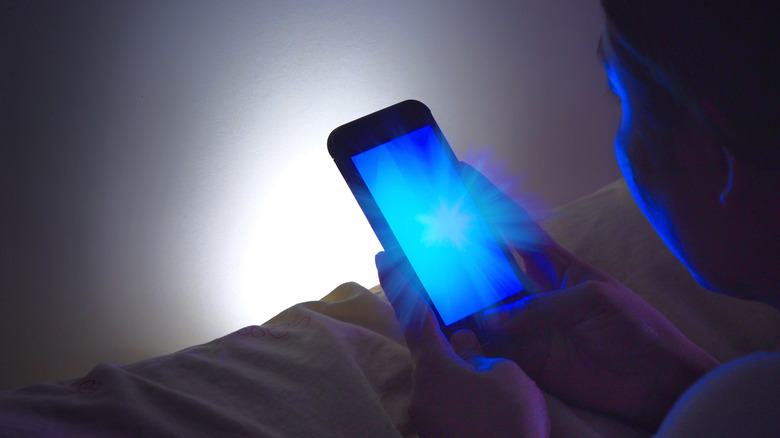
[305, 373]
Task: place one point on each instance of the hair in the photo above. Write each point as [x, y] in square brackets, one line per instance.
[712, 62]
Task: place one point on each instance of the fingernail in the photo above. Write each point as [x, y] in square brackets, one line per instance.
[464, 339]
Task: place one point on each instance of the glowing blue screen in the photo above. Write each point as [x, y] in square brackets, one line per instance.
[437, 224]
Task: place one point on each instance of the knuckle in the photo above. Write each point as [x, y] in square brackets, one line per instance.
[597, 290]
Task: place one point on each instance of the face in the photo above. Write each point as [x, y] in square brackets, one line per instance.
[670, 187]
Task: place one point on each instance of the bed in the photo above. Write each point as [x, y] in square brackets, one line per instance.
[339, 367]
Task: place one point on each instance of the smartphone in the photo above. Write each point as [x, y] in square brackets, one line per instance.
[407, 181]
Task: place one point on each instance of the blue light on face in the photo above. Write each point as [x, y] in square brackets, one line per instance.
[437, 224]
[627, 142]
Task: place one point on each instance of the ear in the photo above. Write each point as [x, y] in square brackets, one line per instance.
[721, 158]
[728, 157]
[710, 167]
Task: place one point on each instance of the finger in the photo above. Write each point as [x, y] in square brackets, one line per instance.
[466, 344]
[547, 269]
[543, 260]
[538, 271]
[545, 311]
[419, 324]
[512, 220]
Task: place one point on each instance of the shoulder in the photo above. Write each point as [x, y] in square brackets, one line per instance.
[740, 398]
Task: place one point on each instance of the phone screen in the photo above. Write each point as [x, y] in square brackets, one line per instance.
[437, 224]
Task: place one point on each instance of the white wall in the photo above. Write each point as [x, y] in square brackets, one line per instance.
[165, 178]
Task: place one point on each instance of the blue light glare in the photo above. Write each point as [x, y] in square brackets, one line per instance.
[437, 224]
[445, 225]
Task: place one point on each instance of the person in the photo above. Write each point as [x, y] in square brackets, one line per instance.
[697, 144]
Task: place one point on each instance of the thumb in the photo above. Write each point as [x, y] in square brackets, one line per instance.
[546, 310]
[514, 223]
[420, 326]
[466, 344]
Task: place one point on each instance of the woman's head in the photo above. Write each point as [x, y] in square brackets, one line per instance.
[699, 134]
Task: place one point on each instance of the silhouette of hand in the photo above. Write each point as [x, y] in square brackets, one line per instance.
[457, 391]
[582, 335]
[594, 343]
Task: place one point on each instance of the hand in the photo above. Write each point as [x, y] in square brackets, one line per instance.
[594, 343]
[587, 339]
[457, 391]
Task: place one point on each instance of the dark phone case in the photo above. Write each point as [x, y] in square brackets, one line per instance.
[373, 130]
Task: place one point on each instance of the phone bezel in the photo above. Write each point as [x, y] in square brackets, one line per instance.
[379, 128]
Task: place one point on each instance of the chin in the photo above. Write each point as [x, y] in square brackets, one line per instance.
[756, 289]
[703, 282]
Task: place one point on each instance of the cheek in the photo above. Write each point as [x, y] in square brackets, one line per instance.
[631, 150]
[632, 164]
[622, 144]
[633, 173]
[641, 174]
